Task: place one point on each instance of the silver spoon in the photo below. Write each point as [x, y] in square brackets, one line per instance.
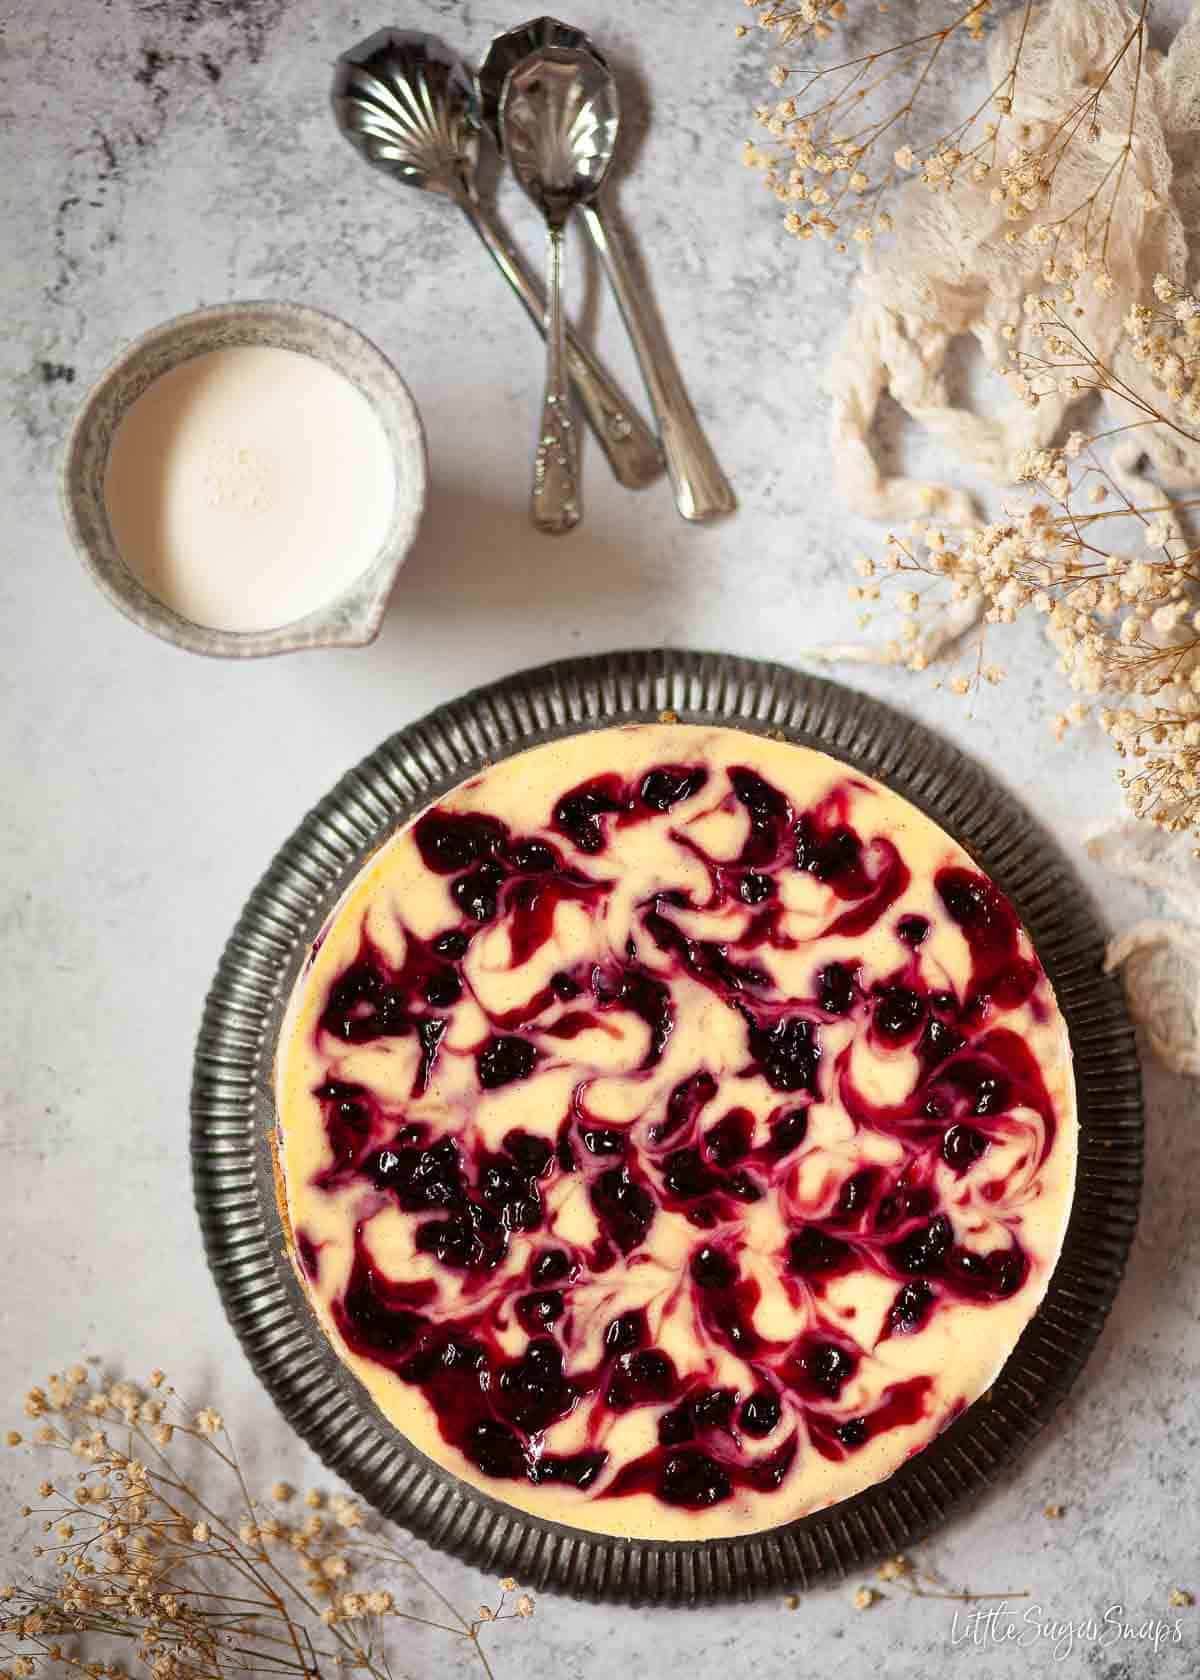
[557, 122]
[405, 101]
[702, 490]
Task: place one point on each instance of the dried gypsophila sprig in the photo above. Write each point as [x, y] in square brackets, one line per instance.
[1126, 629]
[962, 266]
[150, 1556]
[843, 137]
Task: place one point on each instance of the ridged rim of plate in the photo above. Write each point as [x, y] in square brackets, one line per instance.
[233, 1115]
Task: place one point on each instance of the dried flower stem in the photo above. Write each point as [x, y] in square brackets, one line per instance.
[821, 151]
[147, 1560]
[1126, 629]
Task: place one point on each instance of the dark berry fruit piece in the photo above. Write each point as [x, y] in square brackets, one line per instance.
[853, 1432]
[684, 1104]
[729, 1139]
[578, 1470]
[938, 1042]
[711, 1268]
[761, 1413]
[348, 1128]
[493, 1448]
[976, 905]
[754, 888]
[623, 1206]
[453, 945]
[626, 1333]
[676, 1426]
[788, 1132]
[533, 1392]
[442, 988]
[962, 1146]
[599, 1140]
[538, 1312]
[533, 857]
[686, 1176]
[476, 894]
[510, 1192]
[502, 1061]
[913, 930]
[669, 785]
[533, 1154]
[910, 1308]
[812, 1251]
[991, 1095]
[992, 1276]
[835, 989]
[639, 1379]
[552, 1266]
[692, 1479]
[769, 815]
[828, 856]
[857, 1191]
[578, 815]
[449, 842]
[363, 1006]
[828, 1367]
[471, 1240]
[713, 1409]
[788, 1052]
[898, 1013]
[925, 1249]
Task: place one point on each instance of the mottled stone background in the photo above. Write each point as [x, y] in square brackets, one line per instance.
[159, 154]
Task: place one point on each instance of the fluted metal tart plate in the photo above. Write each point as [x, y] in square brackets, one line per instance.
[233, 1116]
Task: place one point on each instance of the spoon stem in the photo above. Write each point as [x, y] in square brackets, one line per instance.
[630, 445]
[555, 500]
[701, 489]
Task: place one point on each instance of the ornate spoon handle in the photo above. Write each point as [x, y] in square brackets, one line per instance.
[701, 489]
[631, 447]
[555, 500]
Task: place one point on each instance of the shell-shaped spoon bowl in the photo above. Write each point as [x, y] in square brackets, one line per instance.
[506, 52]
[406, 102]
[559, 117]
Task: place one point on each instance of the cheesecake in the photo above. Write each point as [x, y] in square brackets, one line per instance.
[676, 1131]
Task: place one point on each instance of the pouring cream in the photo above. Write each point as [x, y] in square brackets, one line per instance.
[249, 486]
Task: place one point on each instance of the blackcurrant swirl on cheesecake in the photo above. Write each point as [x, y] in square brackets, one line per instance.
[678, 1130]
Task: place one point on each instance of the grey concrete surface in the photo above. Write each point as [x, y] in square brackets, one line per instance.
[160, 154]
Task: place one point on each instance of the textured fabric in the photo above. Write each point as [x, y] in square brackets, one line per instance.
[1159, 959]
[949, 272]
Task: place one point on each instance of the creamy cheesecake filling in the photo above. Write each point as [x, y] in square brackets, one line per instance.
[678, 1131]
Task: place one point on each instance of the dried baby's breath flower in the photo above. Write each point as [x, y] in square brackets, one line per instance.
[865, 1597]
[1055, 1512]
[172, 1561]
[859, 118]
[894, 1569]
[1123, 627]
[1181, 1599]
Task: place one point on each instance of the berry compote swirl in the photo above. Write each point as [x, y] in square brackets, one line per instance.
[677, 1131]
